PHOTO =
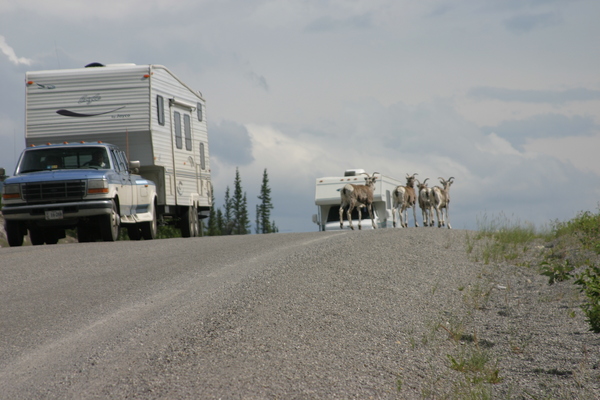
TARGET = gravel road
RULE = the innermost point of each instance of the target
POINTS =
(385, 314)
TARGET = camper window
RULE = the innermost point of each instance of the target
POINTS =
(202, 159)
(178, 138)
(160, 109)
(187, 128)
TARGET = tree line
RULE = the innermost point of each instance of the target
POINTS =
(234, 219)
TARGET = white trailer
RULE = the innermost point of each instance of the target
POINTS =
(328, 200)
(145, 110)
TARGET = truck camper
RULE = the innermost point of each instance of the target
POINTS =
(328, 200)
(145, 113)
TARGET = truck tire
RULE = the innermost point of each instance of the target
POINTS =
(52, 236)
(149, 229)
(190, 222)
(14, 233)
(84, 233)
(133, 231)
(36, 236)
(109, 224)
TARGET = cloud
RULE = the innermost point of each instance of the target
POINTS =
(492, 176)
(551, 125)
(258, 80)
(10, 53)
(230, 143)
(328, 23)
(527, 22)
(534, 96)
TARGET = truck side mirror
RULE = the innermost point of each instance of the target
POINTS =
(134, 166)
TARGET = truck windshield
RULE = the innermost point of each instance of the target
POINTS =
(334, 213)
(64, 158)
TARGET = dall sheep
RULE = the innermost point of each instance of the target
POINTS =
(426, 202)
(358, 196)
(405, 198)
(441, 201)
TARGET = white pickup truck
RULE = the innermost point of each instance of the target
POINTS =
(327, 200)
(87, 186)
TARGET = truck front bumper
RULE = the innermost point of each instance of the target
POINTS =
(70, 210)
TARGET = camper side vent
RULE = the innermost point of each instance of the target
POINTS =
(354, 172)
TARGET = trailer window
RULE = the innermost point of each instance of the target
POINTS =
(187, 128)
(199, 111)
(178, 138)
(202, 159)
(160, 109)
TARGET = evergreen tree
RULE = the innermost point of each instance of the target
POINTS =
(220, 222)
(228, 216)
(241, 222)
(213, 227)
(263, 210)
(257, 220)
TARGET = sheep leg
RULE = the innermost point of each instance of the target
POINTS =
(359, 209)
(402, 217)
(437, 215)
(342, 216)
(414, 208)
(349, 214)
(370, 208)
(448, 218)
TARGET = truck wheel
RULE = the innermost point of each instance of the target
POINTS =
(14, 233)
(133, 231)
(52, 236)
(36, 236)
(189, 222)
(109, 224)
(150, 228)
(84, 234)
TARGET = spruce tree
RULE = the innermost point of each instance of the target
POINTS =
(213, 227)
(220, 222)
(241, 222)
(257, 220)
(227, 226)
(263, 210)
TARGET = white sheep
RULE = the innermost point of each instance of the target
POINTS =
(404, 198)
(358, 196)
(426, 202)
(441, 201)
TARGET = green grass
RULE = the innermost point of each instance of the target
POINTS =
(501, 239)
(573, 250)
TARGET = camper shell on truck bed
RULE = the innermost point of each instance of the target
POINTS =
(143, 109)
(328, 200)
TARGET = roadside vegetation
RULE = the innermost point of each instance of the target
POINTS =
(562, 251)
(474, 365)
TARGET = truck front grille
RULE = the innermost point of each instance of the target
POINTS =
(44, 191)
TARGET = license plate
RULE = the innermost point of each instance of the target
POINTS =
(54, 214)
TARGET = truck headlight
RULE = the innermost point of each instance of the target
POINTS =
(11, 192)
(97, 186)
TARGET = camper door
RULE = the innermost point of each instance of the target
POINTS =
(184, 164)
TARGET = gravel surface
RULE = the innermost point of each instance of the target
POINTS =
(382, 314)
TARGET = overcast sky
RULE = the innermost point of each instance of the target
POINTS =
(502, 95)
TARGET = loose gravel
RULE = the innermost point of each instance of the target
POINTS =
(386, 314)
